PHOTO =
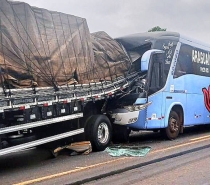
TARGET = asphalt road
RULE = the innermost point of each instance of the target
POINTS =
(189, 168)
(182, 161)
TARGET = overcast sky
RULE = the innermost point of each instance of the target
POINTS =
(123, 17)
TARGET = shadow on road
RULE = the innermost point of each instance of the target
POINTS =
(23, 158)
(150, 136)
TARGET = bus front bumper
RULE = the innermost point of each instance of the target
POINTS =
(124, 117)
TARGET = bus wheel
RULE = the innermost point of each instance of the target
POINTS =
(173, 129)
(98, 131)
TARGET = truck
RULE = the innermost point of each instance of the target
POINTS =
(57, 80)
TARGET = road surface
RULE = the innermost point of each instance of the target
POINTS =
(182, 161)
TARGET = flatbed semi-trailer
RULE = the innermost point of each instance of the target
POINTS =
(23, 124)
(57, 80)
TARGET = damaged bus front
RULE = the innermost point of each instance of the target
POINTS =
(141, 105)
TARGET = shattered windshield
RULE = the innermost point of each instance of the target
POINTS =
(136, 54)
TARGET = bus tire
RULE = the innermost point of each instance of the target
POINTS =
(98, 131)
(173, 128)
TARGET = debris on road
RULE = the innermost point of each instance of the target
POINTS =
(83, 147)
(129, 151)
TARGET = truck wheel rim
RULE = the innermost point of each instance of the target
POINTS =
(103, 133)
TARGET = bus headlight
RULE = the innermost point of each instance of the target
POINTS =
(129, 108)
(137, 107)
(132, 108)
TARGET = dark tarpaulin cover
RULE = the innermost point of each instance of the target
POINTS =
(110, 58)
(47, 48)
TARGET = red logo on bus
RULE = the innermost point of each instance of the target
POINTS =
(206, 94)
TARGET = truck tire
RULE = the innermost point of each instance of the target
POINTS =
(173, 128)
(98, 131)
(120, 134)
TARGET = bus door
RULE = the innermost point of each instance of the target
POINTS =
(156, 82)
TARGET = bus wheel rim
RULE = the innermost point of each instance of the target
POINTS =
(173, 125)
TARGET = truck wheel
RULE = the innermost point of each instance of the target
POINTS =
(173, 129)
(98, 131)
(120, 134)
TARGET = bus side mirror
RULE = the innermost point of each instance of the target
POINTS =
(147, 56)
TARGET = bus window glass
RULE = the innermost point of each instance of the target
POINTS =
(192, 60)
